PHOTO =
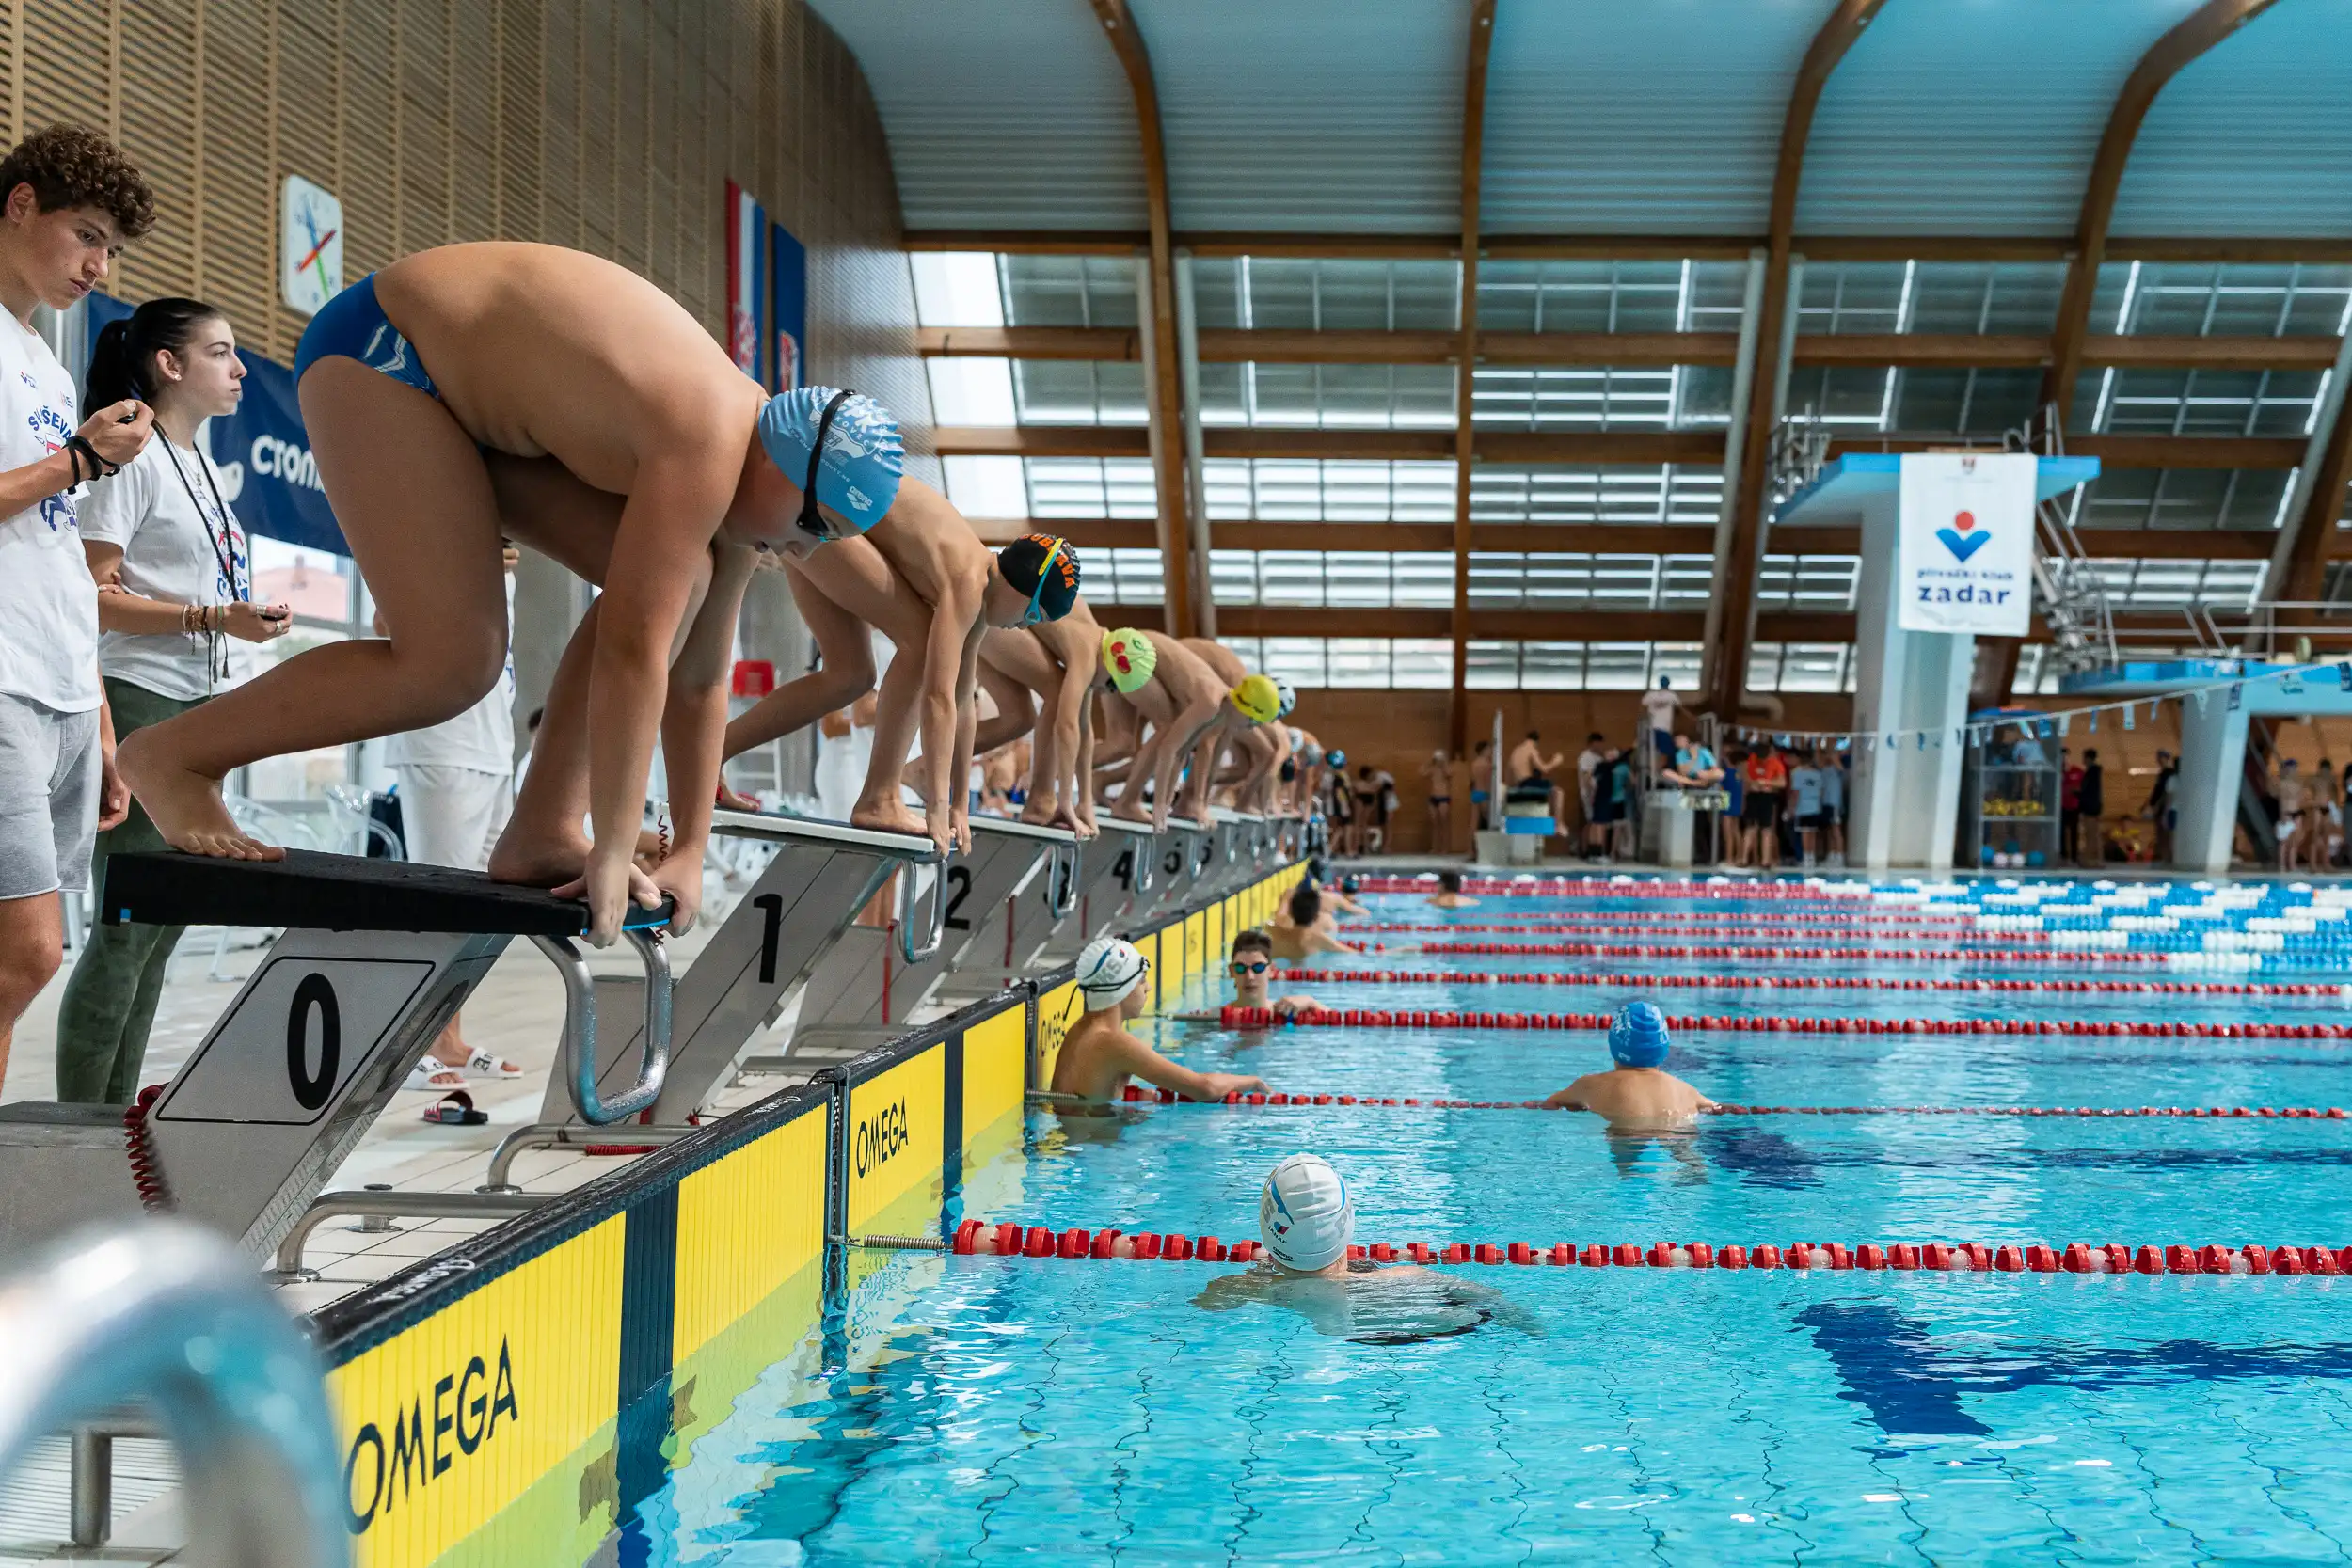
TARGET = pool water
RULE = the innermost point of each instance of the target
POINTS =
(998, 1409)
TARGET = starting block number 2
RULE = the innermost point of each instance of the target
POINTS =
(296, 1037)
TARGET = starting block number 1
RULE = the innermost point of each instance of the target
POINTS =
(293, 1039)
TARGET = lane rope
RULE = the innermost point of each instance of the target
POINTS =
(1811, 982)
(1135, 1094)
(2001, 955)
(1670, 928)
(1232, 1017)
(976, 1238)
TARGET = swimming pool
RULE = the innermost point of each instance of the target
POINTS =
(1060, 1409)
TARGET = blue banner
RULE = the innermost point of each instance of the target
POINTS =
(787, 271)
(262, 451)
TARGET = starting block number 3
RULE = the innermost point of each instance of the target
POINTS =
(293, 1039)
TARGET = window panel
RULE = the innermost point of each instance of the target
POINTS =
(1327, 397)
(1552, 666)
(1073, 391)
(1807, 581)
(1422, 663)
(1296, 660)
(1291, 293)
(1123, 577)
(1357, 662)
(1611, 296)
(1493, 666)
(1670, 493)
(1068, 290)
(1814, 666)
(1616, 666)
(1764, 666)
(1305, 490)
(1511, 398)
(1090, 487)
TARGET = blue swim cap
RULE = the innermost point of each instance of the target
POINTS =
(864, 457)
(1637, 1036)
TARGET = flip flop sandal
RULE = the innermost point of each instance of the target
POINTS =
(456, 1110)
(437, 1076)
(483, 1064)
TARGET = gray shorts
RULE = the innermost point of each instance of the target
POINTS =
(48, 767)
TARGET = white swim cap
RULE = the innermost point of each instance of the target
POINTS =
(1304, 1215)
(1108, 970)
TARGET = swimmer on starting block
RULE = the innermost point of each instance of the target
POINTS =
(1298, 929)
(1637, 1094)
(1244, 722)
(1307, 1219)
(1449, 894)
(1150, 732)
(1044, 677)
(1099, 1056)
(500, 387)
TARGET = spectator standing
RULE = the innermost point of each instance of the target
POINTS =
(175, 585)
(1657, 716)
(2288, 792)
(2070, 805)
(1588, 763)
(1734, 846)
(69, 202)
(2159, 810)
(2090, 804)
(1834, 801)
(1437, 775)
(1804, 792)
(1766, 777)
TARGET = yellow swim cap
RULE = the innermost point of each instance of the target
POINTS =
(1258, 699)
(1129, 659)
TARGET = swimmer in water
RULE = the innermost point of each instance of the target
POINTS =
(1100, 1055)
(1306, 1217)
(1449, 894)
(1297, 931)
(1250, 965)
(1342, 899)
(1637, 1095)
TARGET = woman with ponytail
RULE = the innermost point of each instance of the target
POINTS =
(175, 586)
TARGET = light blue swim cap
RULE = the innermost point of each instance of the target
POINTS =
(864, 458)
(1637, 1036)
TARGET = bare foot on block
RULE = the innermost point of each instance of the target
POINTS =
(186, 806)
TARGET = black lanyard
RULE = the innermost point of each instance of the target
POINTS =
(224, 552)
(224, 544)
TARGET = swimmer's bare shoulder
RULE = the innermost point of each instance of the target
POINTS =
(541, 351)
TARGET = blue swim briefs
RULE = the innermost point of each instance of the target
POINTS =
(351, 325)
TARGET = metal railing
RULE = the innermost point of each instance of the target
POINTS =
(170, 1315)
(2073, 595)
(580, 1027)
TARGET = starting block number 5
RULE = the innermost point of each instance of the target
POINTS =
(293, 1039)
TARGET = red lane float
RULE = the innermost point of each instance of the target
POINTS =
(1996, 954)
(1809, 982)
(1137, 1095)
(1385, 1018)
(976, 1238)
(1846, 893)
(1679, 926)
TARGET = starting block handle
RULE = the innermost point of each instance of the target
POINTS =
(1061, 861)
(580, 1027)
(938, 923)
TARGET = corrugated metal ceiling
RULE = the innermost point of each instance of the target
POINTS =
(1655, 116)
(1971, 117)
(1951, 116)
(1312, 114)
(1011, 114)
(2253, 138)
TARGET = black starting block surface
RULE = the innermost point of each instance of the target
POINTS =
(309, 890)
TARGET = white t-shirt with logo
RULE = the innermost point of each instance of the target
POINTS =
(480, 738)
(48, 604)
(173, 545)
(1659, 705)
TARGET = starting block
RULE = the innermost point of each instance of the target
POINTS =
(374, 957)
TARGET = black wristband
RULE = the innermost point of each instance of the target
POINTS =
(80, 447)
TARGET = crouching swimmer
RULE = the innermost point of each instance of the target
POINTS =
(1637, 1094)
(1099, 1056)
(1306, 1218)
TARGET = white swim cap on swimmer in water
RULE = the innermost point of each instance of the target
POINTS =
(1108, 971)
(1305, 1215)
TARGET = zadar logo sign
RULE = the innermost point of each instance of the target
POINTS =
(1964, 538)
(1964, 544)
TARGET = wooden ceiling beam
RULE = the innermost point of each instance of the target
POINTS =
(1171, 477)
(1482, 36)
(1639, 247)
(1628, 350)
(2189, 39)
(1727, 664)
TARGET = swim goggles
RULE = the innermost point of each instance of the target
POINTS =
(811, 520)
(1240, 968)
(1035, 614)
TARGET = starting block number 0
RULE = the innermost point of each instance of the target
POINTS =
(294, 1038)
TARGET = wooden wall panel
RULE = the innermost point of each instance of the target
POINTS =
(609, 125)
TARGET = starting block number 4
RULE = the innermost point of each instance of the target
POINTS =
(302, 1028)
